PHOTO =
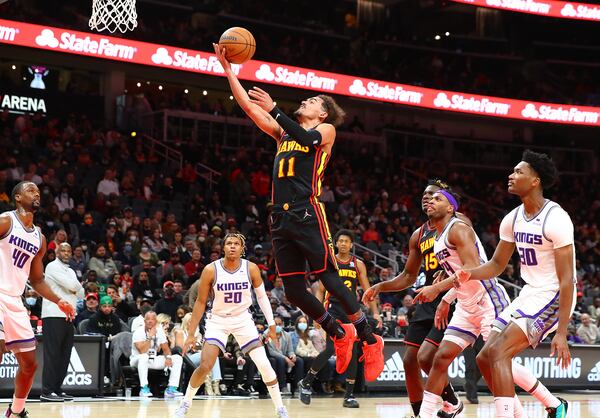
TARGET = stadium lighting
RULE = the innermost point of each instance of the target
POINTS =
(160, 87)
(133, 134)
(139, 84)
(437, 37)
(447, 34)
(230, 97)
(14, 67)
(204, 92)
(186, 91)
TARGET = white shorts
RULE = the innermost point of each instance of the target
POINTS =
(242, 327)
(535, 311)
(15, 327)
(465, 327)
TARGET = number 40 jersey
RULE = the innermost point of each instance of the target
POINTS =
(536, 238)
(18, 247)
(232, 290)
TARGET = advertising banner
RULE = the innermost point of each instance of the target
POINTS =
(85, 374)
(135, 52)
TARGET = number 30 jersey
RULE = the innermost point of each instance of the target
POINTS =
(231, 289)
(536, 238)
(18, 247)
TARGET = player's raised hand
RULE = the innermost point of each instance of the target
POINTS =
(190, 342)
(67, 309)
(426, 294)
(370, 294)
(220, 53)
(560, 346)
(261, 98)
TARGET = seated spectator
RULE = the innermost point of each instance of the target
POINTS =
(141, 286)
(244, 368)
(587, 330)
(105, 321)
(178, 288)
(146, 255)
(303, 345)
(126, 256)
(59, 238)
(278, 291)
(147, 342)
(103, 264)
(121, 307)
(89, 231)
(145, 305)
(90, 309)
(287, 311)
(124, 287)
(594, 311)
(407, 307)
(78, 262)
(572, 337)
(169, 303)
(195, 265)
(283, 358)
(157, 244)
(33, 302)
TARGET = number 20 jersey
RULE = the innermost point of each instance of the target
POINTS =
(231, 289)
(536, 238)
(17, 248)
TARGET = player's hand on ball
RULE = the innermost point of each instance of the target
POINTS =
(272, 333)
(426, 294)
(220, 52)
(261, 98)
(67, 309)
(189, 343)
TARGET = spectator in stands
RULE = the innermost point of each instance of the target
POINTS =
(195, 266)
(108, 185)
(157, 244)
(171, 268)
(303, 345)
(147, 341)
(587, 330)
(33, 302)
(64, 201)
(572, 336)
(146, 255)
(284, 359)
(103, 264)
(59, 238)
(278, 292)
(91, 307)
(145, 305)
(178, 288)
(126, 256)
(142, 288)
(169, 303)
(371, 235)
(594, 311)
(70, 228)
(89, 231)
(121, 307)
(287, 311)
(105, 321)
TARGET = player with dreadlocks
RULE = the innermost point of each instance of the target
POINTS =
(230, 280)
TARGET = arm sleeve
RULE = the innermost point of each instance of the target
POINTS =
(558, 228)
(265, 305)
(450, 296)
(297, 132)
(507, 226)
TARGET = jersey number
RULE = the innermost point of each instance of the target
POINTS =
(233, 297)
(431, 263)
(348, 283)
(19, 258)
(528, 257)
(290, 168)
(446, 266)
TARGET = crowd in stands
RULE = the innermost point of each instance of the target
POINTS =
(142, 230)
(380, 50)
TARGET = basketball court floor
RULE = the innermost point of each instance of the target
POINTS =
(582, 405)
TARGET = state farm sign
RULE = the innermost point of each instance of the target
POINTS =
(180, 59)
(553, 8)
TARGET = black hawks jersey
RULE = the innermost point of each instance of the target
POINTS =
(425, 311)
(297, 171)
(348, 273)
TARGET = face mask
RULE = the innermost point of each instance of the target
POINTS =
(278, 329)
(302, 326)
(133, 238)
(84, 248)
(30, 301)
(144, 249)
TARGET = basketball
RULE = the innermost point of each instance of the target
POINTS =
(239, 43)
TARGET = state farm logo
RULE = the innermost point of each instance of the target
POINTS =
(386, 92)
(471, 104)
(8, 33)
(76, 373)
(282, 75)
(582, 11)
(558, 114)
(522, 5)
(594, 374)
(71, 42)
(181, 59)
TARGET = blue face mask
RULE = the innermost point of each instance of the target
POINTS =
(302, 326)
(30, 301)
(278, 329)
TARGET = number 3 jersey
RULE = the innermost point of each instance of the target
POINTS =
(231, 290)
(469, 294)
(17, 248)
(536, 238)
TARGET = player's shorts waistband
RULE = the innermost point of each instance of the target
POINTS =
(291, 206)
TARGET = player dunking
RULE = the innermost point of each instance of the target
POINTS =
(352, 272)
(422, 338)
(230, 280)
(22, 247)
(299, 231)
(543, 234)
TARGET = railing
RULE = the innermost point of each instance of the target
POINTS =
(163, 150)
(377, 257)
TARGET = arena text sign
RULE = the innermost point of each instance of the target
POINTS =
(124, 50)
(552, 8)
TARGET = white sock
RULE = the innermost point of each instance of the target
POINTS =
(430, 405)
(542, 394)
(18, 404)
(519, 411)
(275, 395)
(190, 392)
(505, 407)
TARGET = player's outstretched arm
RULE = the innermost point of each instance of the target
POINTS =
(262, 298)
(406, 278)
(492, 268)
(261, 118)
(206, 281)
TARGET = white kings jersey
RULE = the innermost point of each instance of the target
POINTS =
(17, 249)
(536, 238)
(232, 290)
(469, 293)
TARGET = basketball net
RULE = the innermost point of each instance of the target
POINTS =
(113, 15)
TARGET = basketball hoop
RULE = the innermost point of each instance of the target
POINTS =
(113, 15)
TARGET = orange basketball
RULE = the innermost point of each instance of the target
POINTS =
(239, 43)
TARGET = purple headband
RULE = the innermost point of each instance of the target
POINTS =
(450, 198)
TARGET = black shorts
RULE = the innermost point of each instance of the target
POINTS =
(424, 330)
(300, 235)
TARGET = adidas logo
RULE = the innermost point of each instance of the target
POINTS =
(393, 370)
(594, 374)
(76, 373)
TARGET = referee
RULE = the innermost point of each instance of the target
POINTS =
(58, 333)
